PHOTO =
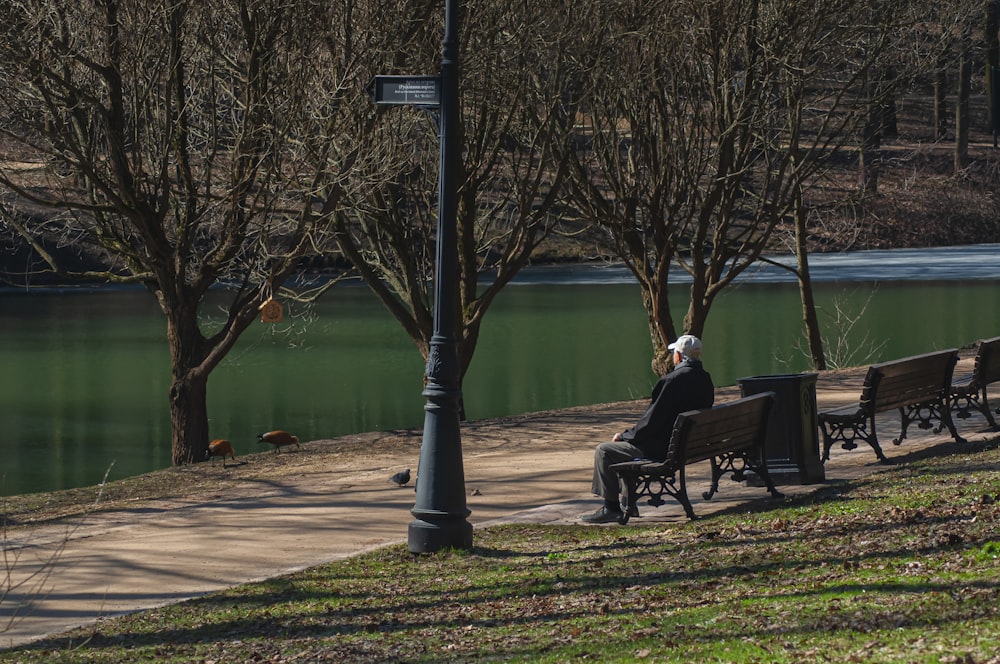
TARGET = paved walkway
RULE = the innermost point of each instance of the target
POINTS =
(533, 468)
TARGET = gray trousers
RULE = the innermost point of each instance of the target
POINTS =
(606, 482)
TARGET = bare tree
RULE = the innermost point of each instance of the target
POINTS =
(168, 137)
(944, 33)
(825, 100)
(702, 140)
(676, 164)
(516, 111)
(891, 45)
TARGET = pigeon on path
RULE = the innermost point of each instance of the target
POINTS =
(401, 478)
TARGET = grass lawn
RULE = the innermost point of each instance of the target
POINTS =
(902, 566)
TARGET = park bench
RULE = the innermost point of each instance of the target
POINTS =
(730, 435)
(968, 392)
(918, 387)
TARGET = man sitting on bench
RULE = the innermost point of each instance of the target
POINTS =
(687, 387)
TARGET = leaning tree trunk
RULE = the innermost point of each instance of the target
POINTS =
(809, 316)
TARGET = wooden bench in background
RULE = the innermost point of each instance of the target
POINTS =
(918, 386)
(730, 435)
(968, 392)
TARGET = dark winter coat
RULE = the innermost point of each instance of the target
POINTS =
(687, 387)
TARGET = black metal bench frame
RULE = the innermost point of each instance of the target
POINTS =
(968, 392)
(918, 387)
(730, 436)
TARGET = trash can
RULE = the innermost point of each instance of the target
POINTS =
(792, 443)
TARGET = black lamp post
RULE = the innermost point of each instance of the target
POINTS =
(440, 511)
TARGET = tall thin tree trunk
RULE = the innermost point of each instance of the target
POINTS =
(940, 103)
(809, 315)
(871, 142)
(962, 106)
(888, 122)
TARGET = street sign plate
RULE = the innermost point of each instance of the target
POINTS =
(405, 90)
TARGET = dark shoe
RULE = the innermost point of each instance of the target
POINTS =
(604, 515)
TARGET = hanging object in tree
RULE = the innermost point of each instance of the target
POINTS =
(270, 311)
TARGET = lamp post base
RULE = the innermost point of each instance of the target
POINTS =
(449, 532)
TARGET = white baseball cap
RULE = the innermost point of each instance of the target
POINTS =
(687, 345)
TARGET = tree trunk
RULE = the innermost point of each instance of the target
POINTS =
(962, 107)
(940, 104)
(809, 315)
(888, 112)
(697, 313)
(189, 416)
(661, 334)
(871, 142)
(188, 381)
(193, 357)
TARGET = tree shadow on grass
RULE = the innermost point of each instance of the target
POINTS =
(292, 609)
(893, 558)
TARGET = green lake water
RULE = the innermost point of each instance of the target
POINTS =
(87, 373)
